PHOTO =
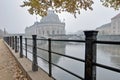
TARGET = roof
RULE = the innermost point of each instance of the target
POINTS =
(117, 16)
(105, 25)
(50, 18)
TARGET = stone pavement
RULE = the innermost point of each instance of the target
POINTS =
(9, 69)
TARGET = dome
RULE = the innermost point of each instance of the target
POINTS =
(50, 18)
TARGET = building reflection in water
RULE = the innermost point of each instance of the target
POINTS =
(113, 51)
(107, 54)
(58, 47)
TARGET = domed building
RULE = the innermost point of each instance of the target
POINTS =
(48, 26)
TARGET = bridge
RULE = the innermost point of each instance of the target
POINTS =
(89, 62)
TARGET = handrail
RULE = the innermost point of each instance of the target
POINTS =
(68, 71)
(28, 50)
(42, 58)
(42, 49)
(67, 40)
(28, 38)
(69, 56)
(108, 42)
(62, 55)
(107, 67)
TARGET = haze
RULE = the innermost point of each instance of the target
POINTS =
(15, 19)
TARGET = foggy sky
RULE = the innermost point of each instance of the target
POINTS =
(15, 19)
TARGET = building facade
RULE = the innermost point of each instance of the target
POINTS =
(115, 25)
(49, 25)
(112, 28)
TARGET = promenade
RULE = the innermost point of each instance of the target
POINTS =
(12, 67)
(9, 69)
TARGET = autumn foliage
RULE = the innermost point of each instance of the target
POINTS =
(40, 7)
(111, 3)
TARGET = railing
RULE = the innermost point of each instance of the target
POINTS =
(90, 53)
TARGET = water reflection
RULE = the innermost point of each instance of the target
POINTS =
(113, 51)
(56, 47)
(106, 54)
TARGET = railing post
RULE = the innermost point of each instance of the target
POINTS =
(9, 40)
(90, 55)
(6, 39)
(34, 63)
(16, 44)
(26, 47)
(12, 42)
(21, 47)
(50, 57)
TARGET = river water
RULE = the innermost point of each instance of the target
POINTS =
(106, 54)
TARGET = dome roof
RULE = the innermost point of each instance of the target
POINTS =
(50, 18)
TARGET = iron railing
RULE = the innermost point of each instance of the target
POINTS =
(90, 53)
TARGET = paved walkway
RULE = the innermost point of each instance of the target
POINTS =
(9, 69)
(14, 71)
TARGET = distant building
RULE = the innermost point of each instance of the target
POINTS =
(49, 25)
(115, 25)
(79, 33)
(105, 29)
(112, 28)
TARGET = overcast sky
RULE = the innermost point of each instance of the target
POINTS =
(14, 18)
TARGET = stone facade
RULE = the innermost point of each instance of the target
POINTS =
(48, 25)
(112, 28)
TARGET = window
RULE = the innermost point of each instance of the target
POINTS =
(53, 32)
(39, 32)
(47, 32)
(57, 32)
(43, 32)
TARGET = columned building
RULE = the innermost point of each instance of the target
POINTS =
(49, 25)
(112, 28)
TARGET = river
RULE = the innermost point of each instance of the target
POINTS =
(106, 54)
